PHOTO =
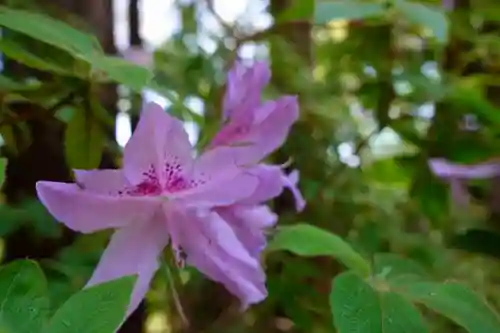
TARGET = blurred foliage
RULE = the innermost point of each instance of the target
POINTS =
(362, 147)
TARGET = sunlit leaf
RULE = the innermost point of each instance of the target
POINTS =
(346, 10)
(433, 18)
(308, 240)
(49, 30)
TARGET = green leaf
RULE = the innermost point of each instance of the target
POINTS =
(456, 302)
(49, 30)
(23, 302)
(358, 308)
(433, 18)
(84, 141)
(99, 309)
(346, 10)
(3, 169)
(393, 266)
(307, 240)
(18, 53)
(123, 72)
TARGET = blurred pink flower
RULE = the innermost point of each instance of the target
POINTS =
(456, 174)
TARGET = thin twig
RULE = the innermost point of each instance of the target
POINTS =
(173, 291)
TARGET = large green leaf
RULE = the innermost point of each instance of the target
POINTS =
(99, 309)
(394, 266)
(49, 30)
(456, 302)
(18, 53)
(84, 141)
(308, 240)
(23, 302)
(346, 10)
(123, 72)
(359, 308)
(432, 18)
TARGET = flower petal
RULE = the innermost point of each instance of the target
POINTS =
(86, 211)
(445, 169)
(249, 223)
(133, 250)
(290, 182)
(101, 181)
(243, 89)
(218, 180)
(211, 245)
(270, 184)
(159, 140)
(272, 181)
(268, 131)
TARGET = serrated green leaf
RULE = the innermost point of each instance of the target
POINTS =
(49, 30)
(99, 309)
(84, 141)
(346, 10)
(433, 18)
(23, 302)
(308, 240)
(358, 308)
(456, 302)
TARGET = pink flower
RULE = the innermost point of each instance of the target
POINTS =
(258, 127)
(210, 209)
(162, 194)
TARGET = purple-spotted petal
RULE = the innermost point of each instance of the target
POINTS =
(211, 245)
(133, 250)
(217, 180)
(158, 146)
(249, 224)
(445, 169)
(86, 211)
(243, 89)
(101, 181)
